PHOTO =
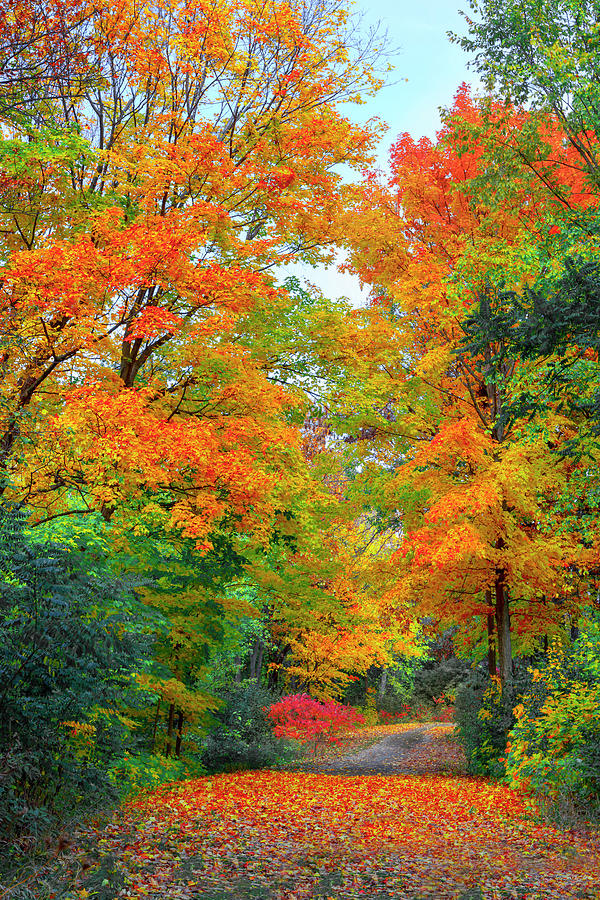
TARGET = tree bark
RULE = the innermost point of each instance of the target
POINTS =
(491, 634)
(171, 721)
(254, 658)
(503, 630)
(179, 736)
(259, 662)
(383, 682)
(238, 671)
(278, 660)
(154, 729)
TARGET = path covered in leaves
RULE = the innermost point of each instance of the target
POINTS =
(299, 835)
(402, 750)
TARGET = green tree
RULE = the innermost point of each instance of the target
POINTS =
(71, 639)
(547, 54)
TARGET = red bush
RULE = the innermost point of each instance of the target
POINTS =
(444, 714)
(302, 718)
(387, 718)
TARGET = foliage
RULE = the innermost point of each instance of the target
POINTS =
(387, 718)
(46, 56)
(239, 655)
(554, 324)
(483, 717)
(71, 640)
(554, 746)
(297, 489)
(134, 773)
(242, 737)
(269, 834)
(391, 687)
(168, 159)
(153, 369)
(136, 364)
(402, 675)
(545, 54)
(477, 545)
(187, 591)
(304, 719)
(434, 681)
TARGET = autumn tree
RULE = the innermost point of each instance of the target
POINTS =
(544, 54)
(317, 585)
(472, 496)
(180, 153)
(43, 54)
(547, 56)
(202, 157)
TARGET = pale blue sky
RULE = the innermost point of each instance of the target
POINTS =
(433, 67)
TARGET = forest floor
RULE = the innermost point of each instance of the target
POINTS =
(397, 819)
(407, 749)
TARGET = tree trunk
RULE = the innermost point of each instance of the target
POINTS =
(383, 682)
(238, 671)
(278, 660)
(503, 630)
(491, 634)
(573, 629)
(154, 729)
(259, 662)
(253, 657)
(171, 720)
(179, 737)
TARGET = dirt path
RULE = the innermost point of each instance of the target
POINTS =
(414, 752)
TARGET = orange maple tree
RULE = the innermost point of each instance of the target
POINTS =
(474, 496)
(141, 220)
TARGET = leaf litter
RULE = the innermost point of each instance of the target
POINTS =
(271, 835)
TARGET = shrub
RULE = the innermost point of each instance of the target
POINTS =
(436, 681)
(444, 712)
(368, 710)
(388, 718)
(554, 746)
(304, 719)
(393, 706)
(68, 647)
(242, 737)
(483, 718)
(134, 773)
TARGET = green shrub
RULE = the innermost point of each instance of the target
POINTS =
(68, 647)
(391, 706)
(242, 737)
(134, 773)
(437, 680)
(554, 746)
(483, 718)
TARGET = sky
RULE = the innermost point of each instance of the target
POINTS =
(427, 71)
(432, 66)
